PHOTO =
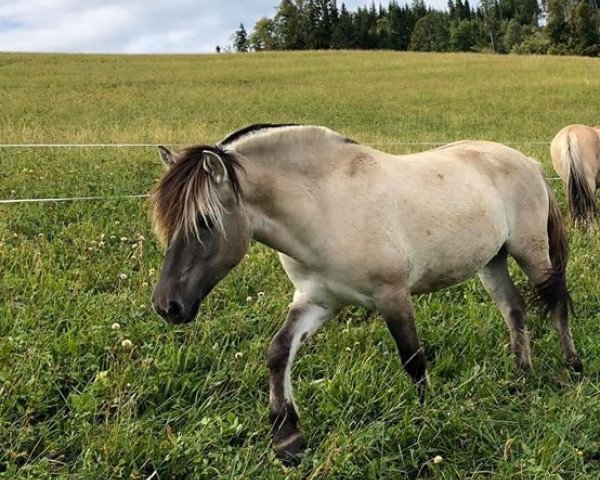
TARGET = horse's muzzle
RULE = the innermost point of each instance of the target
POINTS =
(175, 312)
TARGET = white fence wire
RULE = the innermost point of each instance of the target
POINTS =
(154, 145)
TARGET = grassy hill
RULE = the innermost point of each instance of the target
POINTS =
(191, 402)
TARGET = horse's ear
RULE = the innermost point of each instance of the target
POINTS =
(166, 155)
(214, 166)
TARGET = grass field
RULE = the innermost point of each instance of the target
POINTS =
(191, 402)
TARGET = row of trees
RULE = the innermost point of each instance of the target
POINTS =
(502, 26)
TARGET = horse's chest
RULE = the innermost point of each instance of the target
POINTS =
(331, 291)
(324, 289)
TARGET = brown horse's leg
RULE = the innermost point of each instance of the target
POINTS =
(400, 318)
(497, 282)
(303, 319)
(552, 291)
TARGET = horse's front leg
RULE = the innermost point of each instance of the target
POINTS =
(397, 309)
(303, 319)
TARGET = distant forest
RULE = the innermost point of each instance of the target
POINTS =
(558, 27)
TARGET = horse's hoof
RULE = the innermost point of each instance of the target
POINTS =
(290, 448)
(575, 364)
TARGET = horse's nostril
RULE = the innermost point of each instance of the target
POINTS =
(174, 309)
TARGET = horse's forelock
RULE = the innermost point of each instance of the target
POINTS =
(185, 197)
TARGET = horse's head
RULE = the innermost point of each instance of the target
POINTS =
(200, 218)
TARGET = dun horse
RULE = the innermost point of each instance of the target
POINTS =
(575, 152)
(354, 225)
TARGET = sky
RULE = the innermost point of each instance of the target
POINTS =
(133, 26)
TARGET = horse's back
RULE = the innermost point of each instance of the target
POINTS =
(448, 210)
(487, 169)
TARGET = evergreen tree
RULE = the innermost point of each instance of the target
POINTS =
(342, 35)
(468, 14)
(527, 12)
(557, 27)
(490, 14)
(240, 39)
(584, 26)
(288, 26)
(418, 8)
(364, 34)
(402, 23)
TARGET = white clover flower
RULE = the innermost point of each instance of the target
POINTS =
(123, 276)
(115, 326)
(438, 459)
(127, 344)
(146, 362)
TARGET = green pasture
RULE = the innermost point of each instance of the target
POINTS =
(79, 401)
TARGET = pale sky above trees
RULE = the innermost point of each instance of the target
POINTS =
(133, 26)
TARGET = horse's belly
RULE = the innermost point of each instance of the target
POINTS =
(447, 268)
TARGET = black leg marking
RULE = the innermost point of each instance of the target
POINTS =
(400, 319)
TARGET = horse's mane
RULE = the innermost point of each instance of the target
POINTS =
(185, 199)
(251, 129)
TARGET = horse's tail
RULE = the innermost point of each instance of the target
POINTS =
(580, 194)
(553, 292)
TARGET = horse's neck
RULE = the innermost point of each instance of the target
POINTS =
(281, 192)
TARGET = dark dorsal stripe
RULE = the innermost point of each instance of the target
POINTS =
(256, 127)
(232, 137)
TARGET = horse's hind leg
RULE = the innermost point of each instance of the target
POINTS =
(497, 282)
(399, 315)
(303, 319)
(551, 288)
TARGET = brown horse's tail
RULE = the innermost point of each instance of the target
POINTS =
(580, 194)
(553, 292)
